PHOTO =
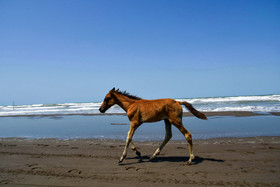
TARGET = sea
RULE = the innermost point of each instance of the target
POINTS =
(80, 120)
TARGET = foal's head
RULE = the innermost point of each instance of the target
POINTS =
(109, 100)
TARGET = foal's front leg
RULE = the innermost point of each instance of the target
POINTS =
(130, 133)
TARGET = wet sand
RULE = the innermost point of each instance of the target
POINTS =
(185, 114)
(88, 162)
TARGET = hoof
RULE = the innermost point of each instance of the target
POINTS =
(138, 153)
(152, 158)
(120, 161)
(191, 159)
(155, 154)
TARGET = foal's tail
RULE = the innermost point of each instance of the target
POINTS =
(194, 111)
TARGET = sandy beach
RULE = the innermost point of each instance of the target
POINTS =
(87, 162)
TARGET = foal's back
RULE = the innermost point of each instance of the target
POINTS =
(154, 110)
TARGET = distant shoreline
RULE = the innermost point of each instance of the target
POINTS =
(185, 114)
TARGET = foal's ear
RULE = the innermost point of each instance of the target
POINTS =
(117, 90)
(113, 90)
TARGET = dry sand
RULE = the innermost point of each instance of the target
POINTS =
(87, 162)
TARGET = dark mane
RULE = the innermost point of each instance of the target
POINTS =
(129, 95)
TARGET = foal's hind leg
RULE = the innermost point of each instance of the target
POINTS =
(168, 135)
(188, 136)
(134, 149)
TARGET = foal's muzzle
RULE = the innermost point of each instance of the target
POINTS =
(102, 110)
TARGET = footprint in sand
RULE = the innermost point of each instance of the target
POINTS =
(30, 165)
(128, 168)
(231, 150)
(134, 168)
(180, 147)
(33, 166)
(249, 153)
(62, 145)
(4, 182)
(36, 156)
(32, 169)
(42, 145)
(139, 169)
(74, 171)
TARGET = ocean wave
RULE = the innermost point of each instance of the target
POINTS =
(266, 103)
(244, 108)
(233, 99)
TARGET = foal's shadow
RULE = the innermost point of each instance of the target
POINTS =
(146, 159)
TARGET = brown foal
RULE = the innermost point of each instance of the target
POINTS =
(141, 111)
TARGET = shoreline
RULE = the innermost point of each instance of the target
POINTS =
(253, 161)
(185, 114)
(23, 139)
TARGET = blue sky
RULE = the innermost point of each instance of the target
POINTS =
(75, 51)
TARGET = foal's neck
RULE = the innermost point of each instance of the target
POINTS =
(123, 101)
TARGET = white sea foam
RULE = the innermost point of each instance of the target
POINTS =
(50, 109)
(266, 103)
(265, 98)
